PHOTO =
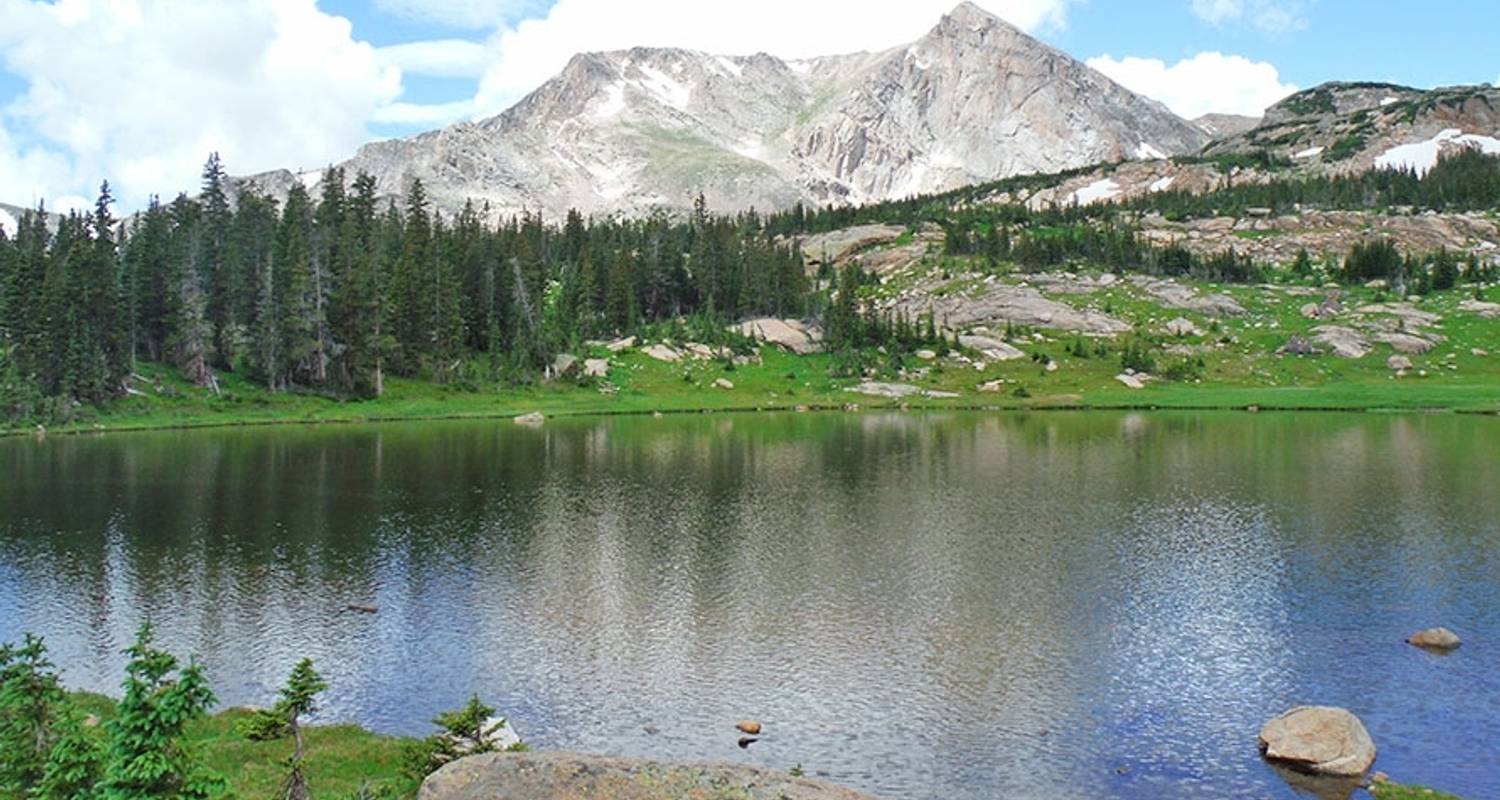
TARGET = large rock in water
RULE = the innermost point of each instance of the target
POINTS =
(1318, 740)
(566, 776)
(1435, 639)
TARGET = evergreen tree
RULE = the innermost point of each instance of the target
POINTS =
(214, 274)
(298, 699)
(75, 766)
(147, 758)
(31, 699)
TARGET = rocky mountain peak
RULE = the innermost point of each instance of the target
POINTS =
(631, 131)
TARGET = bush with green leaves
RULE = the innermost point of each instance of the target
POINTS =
(147, 758)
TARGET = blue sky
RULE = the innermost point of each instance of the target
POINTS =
(140, 90)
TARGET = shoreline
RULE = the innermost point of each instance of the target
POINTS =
(853, 406)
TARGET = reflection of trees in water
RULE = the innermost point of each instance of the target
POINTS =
(959, 577)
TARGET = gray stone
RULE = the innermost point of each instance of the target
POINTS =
(595, 368)
(1319, 740)
(571, 776)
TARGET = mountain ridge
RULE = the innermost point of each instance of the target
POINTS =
(632, 131)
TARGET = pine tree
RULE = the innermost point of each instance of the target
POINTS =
(298, 699)
(31, 700)
(75, 766)
(147, 758)
(214, 273)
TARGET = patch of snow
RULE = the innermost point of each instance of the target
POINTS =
(8, 223)
(1146, 151)
(751, 147)
(800, 67)
(1161, 184)
(1389, 101)
(1096, 192)
(609, 179)
(666, 88)
(914, 55)
(730, 66)
(613, 102)
(1421, 157)
(310, 179)
(1311, 152)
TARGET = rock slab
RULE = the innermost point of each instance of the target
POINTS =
(1319, 740)
(568, 776)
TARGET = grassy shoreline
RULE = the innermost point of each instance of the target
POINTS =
(782, 383)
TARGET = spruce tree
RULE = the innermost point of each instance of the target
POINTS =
(298, 699)
(147, 758)
(31, 701)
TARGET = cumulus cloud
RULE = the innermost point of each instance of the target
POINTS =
(1269, 16)
(534, 50)
(1206, 83)
(140, 91)
(471, 14)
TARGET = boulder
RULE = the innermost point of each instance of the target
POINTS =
(1483, 309)
(784, 333)
(1298, 346)
(1183, 327)
(532, 420)
(567, 776)
(1345, 342)
(1406, 343)
(595, 368)
(1133, 381)
(1435, 639)
(749, 726)
(564, 365)
(723, 383)
(926, 355)
(662, 352)
(890, 390)
(620, 344)
(1318, 740)
(991, 349)
(1400, 364)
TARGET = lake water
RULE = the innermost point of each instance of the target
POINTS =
(1050, 605)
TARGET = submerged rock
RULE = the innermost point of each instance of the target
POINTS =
(749, 726)
(1435, 639)
(533, 419)
(565, 776)
(1319, 740)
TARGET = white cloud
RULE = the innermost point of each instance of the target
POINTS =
(1269, 16)
(1206, 83)
(471, 14)
(441, 58)
(140, 91)
(535, 49)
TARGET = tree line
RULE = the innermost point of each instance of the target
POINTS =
(336, 292)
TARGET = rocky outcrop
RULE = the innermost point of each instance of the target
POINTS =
(995, 304)
(1319, 740)
(570, 776)
(784, 333)
(632, 131)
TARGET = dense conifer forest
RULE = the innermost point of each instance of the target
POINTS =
(333, 293)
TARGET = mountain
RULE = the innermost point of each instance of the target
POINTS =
(1219, 126)
(1343, 128)
(631, 131)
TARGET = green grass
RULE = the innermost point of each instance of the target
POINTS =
(1386, 790)
(342, 760)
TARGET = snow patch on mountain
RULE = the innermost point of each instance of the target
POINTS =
(8, 223)
(1147, 153)
(1097, 192)
(1421, 157)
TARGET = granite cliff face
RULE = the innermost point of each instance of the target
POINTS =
(636, 130)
